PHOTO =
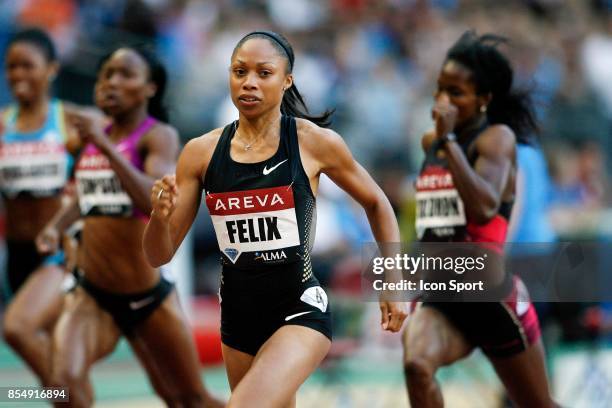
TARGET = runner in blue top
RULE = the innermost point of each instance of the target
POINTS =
(35, 166)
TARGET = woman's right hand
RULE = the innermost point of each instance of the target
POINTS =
(163, 197)
(48, 240)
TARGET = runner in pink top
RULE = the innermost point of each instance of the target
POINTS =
(119, 292)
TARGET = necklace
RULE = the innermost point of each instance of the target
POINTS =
(247, 146)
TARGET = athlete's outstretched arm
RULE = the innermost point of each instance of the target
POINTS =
(336, 161)
(176, 199)
(339, 165)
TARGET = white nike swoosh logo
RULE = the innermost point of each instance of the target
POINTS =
(296, 315)
(267, 171)
(141, 303)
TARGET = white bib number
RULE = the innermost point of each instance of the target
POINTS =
(439, 209)
(100, 192)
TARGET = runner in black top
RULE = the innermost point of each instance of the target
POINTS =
(259, 177)
(464, 194)
(264, 217)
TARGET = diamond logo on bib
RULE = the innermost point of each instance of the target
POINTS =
(231, 253)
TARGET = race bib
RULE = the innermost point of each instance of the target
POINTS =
(439, 206)
(262, 222)
(100, 193)
(443, 208)
(39, 168)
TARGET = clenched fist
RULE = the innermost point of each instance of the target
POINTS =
(90, 128)
(48, 240)
(444, 113)
(163, 197)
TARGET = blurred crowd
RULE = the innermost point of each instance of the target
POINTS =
(376, 63)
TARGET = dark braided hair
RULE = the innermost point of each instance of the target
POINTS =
(37, 38)
(293, 104)
(157, 75)
(492, 73)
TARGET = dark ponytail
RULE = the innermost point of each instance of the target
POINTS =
(515, 109)
(157, 75)
(493, 74)
(293, 104)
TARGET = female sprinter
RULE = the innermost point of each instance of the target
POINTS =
(479, 118)
(260, 176)
(35, 167)
(118, 292)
